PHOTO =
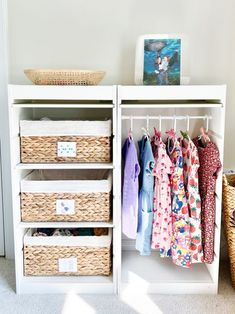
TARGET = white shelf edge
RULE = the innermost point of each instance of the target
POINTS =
(160, 282)
(155, 106)
(59, 92)
(63, 106)
(69, 279)
(173, 92)
(52, 224)
(63, 284)
(170, 288)
(22, 166)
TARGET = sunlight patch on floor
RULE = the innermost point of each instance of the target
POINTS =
(74, 304)
(142, 304)
(137, 300)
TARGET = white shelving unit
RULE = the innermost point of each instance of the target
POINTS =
(131, 273)
(151, 274)
(60, 102)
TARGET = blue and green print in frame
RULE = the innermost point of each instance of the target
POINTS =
(162, 59)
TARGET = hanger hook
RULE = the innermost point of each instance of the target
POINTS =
(147, 123)
(131, 118)
(160, 123)
(188, 119)
(174, 123)
(207, 123)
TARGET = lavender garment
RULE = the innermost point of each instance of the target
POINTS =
(130, 189)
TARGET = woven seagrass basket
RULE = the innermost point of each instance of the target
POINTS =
(64, 77)
(229, 219)
(44, 141)
(67, 195)
(67, 256)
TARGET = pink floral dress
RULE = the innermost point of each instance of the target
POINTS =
(181, 253)
(162, 220)
(191, 165)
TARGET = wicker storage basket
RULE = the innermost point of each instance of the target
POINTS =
(229, 219)
(67, 255)
(65, 141)
(64, 77)
(67, 195)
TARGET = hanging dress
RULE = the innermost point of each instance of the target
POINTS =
(210, 165)
(162, 216)
(130, 188)
(191, 165)
(180, 249)
(145, 211)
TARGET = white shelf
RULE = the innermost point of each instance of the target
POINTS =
(133, 269)
(180, 92)
(66, 166)
(52, 92)
(59, 284)
(153, 274)
(64, 106)
(54, 224)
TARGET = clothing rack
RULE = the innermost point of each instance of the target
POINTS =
(174, 118)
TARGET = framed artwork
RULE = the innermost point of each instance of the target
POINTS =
(158, 60)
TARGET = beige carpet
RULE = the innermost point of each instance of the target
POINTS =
(10, 303)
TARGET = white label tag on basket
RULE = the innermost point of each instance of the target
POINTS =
(65, 207)
(68, 265)
(66, 149)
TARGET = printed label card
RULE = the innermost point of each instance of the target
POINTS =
(66, 149)
(68, 265)
(65, 207)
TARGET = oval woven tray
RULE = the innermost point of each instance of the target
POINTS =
(64, 77)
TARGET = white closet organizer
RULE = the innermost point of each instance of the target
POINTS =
(181, 107)
(175, 106)
(66, 103)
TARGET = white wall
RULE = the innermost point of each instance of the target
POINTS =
(4, 134)
(102, 34)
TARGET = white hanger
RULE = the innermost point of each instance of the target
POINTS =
(131, 118)
(147, 123)
(160, 123)
(188, 119)
(207, 124)
(174, 127)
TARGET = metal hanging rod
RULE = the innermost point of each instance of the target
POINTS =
(170, 105)
(175, 117)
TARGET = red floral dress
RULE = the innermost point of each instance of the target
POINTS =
(191, 165)
(210, 165)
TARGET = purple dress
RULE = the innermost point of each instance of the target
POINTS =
(130, 189)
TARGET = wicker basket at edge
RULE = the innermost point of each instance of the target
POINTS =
(229, 219)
